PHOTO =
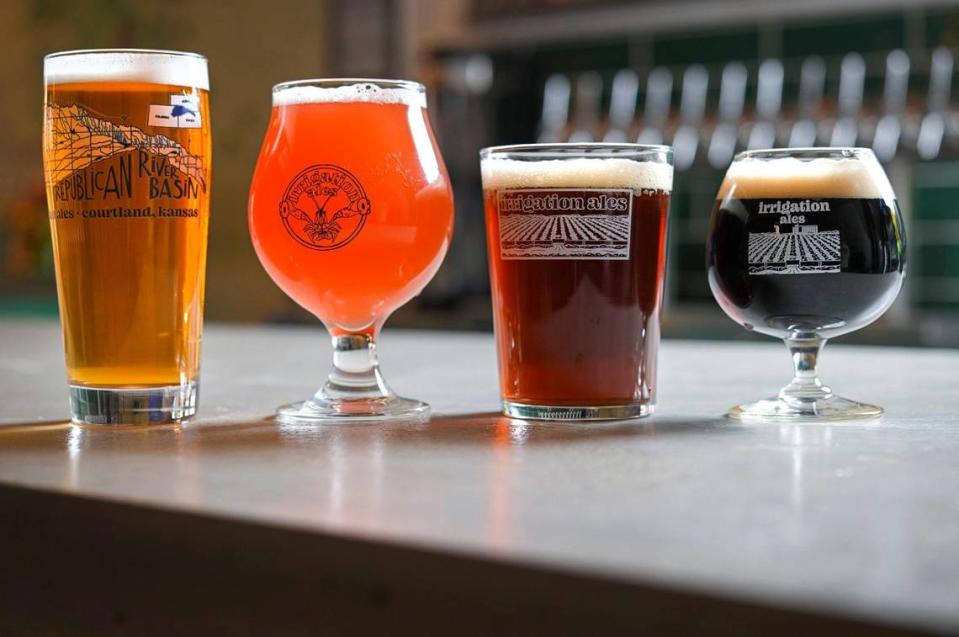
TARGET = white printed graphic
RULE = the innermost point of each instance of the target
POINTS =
(183, 112)
(805, 250)
(565, 223)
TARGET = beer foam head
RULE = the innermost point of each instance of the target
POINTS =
(823, 177)
(368, 91)
(581, 172)
(152, 67)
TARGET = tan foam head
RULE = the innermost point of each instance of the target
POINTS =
(582, 172)
(845, 178)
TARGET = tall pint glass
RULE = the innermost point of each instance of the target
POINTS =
(576, 239)
(126, 149)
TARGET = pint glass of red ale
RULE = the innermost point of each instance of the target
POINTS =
(576, 239)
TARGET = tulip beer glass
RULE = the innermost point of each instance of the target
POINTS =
(126, 149)
(576, 235)
(805, 245)
(351, 213)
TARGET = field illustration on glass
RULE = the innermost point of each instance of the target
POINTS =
(565, 224)
(805, 250)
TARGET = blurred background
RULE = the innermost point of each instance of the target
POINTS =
(710, 77)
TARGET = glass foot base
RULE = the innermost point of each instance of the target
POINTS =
(133, 406)
(346, 411)
(778, 410)
(603, 412)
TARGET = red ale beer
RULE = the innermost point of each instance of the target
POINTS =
(576, 240)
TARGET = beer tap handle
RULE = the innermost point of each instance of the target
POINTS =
(812, 81)
(933, 126)
(897, 81)
(732, 98)
(555, 115)
(732, 92)
(769, 92)
(769, 96)
(852, 76)
(622, 105)
(659, 97)
(885, 141)
(692, 106)
(940, 79)
(589, 95)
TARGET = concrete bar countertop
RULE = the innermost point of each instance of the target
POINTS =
(473, 523)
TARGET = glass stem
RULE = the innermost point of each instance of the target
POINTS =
(805, 386)
(356, 371)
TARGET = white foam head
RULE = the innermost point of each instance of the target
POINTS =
(823, 177)
(153, 67)
(366, 91)
(581, 172)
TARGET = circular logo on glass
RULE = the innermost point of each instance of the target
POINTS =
(324, 207)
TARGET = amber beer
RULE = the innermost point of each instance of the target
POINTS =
(127, 159)
(576, 239)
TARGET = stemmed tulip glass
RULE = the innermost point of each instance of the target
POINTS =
(351, 213)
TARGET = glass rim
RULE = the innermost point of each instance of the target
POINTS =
(808, 152)
(574, 150)
(336, 82)
(127, 51)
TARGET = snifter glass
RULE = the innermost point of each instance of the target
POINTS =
(806, 245)
(351, 213)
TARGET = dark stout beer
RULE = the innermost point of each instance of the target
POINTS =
(815, 253)
(805, 244)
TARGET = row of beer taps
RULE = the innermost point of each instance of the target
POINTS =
(899, 122)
